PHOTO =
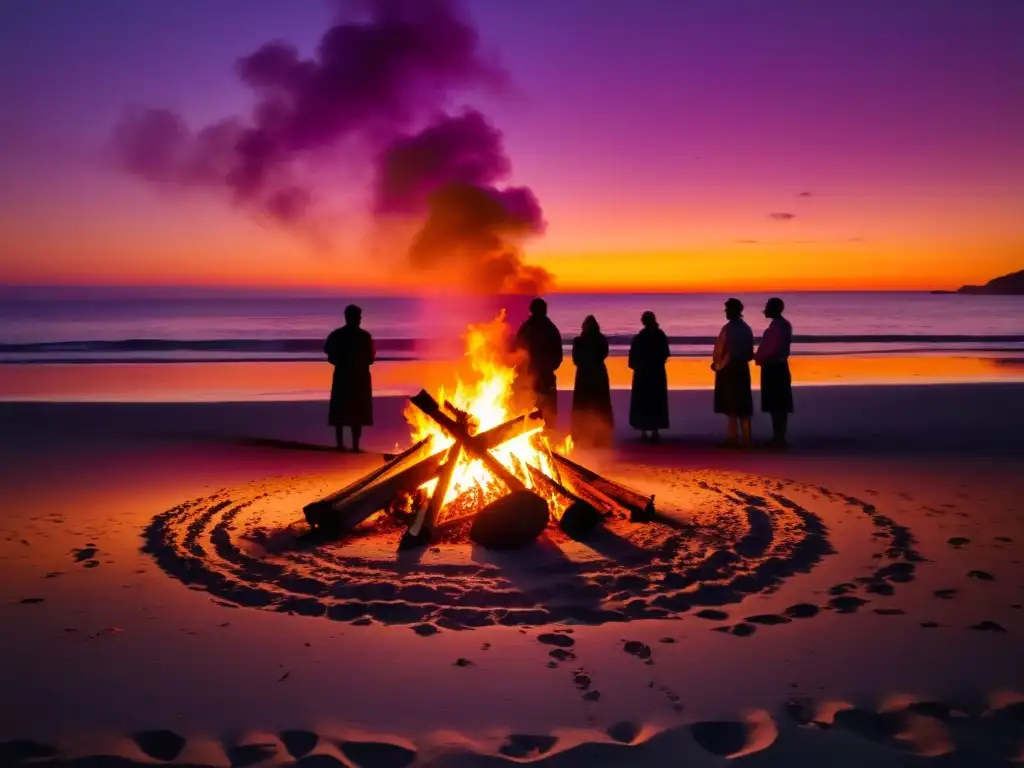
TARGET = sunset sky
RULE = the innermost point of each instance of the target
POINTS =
(673, 144)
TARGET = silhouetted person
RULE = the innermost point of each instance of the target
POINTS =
(776, 382)
(648, 401)
(350, 350)
(734, 350)
(592, 418)
(541, 340)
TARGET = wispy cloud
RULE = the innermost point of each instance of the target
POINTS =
(782, 216)
(748, 242)
(805, 193)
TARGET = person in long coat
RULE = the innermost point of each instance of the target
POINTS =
(351, 351)
(541, 343)
(776, 381)
(592, 418)
(734, 349)
(648, 401)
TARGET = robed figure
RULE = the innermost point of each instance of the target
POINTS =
(734, 349)
(592, 419)
(350, 350)
(540, 343)
(648, 401)
(776, 381)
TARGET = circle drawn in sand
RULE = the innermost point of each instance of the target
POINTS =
(720, 537)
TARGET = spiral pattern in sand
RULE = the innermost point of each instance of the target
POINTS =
(720, 538)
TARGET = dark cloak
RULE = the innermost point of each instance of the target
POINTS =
(350, 350)
(592, 418)
(648, 402)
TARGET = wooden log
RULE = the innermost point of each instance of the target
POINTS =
(473, 445)
(342, 513)
(640, 507)
(426, 520)
(579, 485)
(391, 461)
(580, 517)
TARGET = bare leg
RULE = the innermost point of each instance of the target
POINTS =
(732, 433)
(745, 426)
(339, 437)
(780, 421)
(357, 432)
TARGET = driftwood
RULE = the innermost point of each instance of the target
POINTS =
(639, 506)
(580, 517)
(341, 512)
(391, 461)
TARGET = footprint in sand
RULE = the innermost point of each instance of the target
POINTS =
(988, 626)
(712, 614)
(638, 649)
(463, 663)
(981, 575)
(624, 732)
(31, 600)
(930, 625)
(87, 552)
(846, 603)
(561, 654)
(523, 746)
(767, 619)
(581, 680)
(958, 542)
(160, 745)
(890, 611)
(738, 630)
(560, 641)
(425, 630)
(377, 753)
(945, 594)
(720, 738)
(802, 611)
(299, 743)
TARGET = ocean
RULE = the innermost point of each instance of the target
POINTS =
(82, 326)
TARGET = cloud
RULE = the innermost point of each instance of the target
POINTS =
(805, 194)
(748, 242)
(782, 216)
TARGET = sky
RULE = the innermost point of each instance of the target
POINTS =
(672, 144)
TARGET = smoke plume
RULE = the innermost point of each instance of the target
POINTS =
(377, 77)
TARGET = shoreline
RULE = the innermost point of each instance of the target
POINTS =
(310, 381)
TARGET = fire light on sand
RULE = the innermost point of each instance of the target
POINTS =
(486, 399)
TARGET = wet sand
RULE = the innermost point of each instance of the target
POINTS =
(855, 601)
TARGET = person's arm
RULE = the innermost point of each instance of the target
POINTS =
(666, 353)
(771, 343)
(329, 349)
(372, 350)
(720, 357)
(602, 350)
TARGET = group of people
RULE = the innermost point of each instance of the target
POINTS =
(538, 344)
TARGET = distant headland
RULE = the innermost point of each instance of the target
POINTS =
(1007, 285)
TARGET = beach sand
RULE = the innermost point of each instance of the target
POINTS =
(856, 601)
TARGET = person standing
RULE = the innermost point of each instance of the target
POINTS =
(648, 401)
(351, 351)
(541, 341)
(776, 381)
(592, 419)
(734, 349)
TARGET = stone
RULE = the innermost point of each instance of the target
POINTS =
(510, 522)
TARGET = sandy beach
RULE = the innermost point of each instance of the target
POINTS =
(855, 601)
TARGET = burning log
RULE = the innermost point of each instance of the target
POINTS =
(344, 510)
(473, 445)
(512, 521)
(640, 507)
(391, 461)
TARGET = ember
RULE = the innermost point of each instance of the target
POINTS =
(475, 456)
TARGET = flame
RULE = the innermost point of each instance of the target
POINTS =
(486, 393)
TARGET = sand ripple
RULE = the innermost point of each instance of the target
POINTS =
(720, 538)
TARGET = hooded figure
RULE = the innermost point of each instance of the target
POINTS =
(776, 381)
(541, 342)
(648, 401)
(592, 419)
(734, 350)
(350, 350)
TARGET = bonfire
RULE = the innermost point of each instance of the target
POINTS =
(480, 452)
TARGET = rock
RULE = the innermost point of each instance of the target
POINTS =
(579, 520)
(510, 522)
